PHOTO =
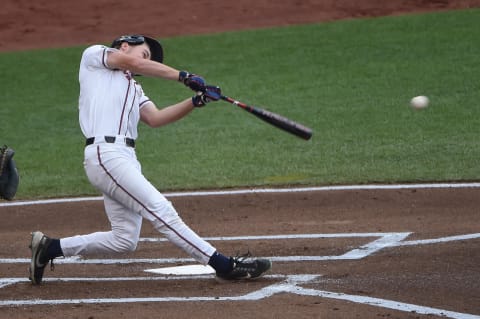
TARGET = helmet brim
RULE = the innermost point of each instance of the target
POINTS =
(156, 49)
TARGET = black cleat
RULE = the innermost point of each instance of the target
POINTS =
(245, 268)
(39, 246)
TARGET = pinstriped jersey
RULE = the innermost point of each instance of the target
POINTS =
(110, 100)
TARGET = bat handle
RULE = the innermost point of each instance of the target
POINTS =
(228, 99)
(235, 102)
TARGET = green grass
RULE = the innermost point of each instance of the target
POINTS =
(350, 81)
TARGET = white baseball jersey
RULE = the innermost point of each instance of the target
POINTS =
(110, 100)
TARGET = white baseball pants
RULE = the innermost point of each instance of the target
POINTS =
(129, 197)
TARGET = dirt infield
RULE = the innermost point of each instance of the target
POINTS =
(337, 254)
(371, 253)
(44, 24)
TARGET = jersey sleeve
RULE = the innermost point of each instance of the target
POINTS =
(143, 99)
(95, 56)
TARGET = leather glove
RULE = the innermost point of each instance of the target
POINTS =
(193, 81)
(211, 94)
(9, 178)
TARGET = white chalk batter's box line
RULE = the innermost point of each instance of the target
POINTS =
(288, 284)
(291, 284)
(385, 240)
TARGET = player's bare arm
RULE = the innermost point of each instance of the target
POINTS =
(138, 61)
(154, 117)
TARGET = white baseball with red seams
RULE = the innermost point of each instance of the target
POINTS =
(109, 105)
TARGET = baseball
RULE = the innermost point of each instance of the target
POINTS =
(419, 102)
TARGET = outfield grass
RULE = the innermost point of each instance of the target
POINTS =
(350, 81)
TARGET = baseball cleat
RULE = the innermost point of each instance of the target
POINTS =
(244, 268)
(39, 246)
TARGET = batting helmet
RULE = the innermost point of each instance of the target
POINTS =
(137, 39)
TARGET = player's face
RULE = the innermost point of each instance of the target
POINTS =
(141, 51)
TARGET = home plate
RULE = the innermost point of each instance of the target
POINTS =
(183, 270)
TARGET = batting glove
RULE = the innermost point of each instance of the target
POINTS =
(211, 94)
(193, 81)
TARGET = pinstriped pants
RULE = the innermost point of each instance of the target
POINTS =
(128, 198)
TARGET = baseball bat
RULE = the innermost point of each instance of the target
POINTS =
(273, 119)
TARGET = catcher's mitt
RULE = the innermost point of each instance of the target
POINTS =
(8, 173)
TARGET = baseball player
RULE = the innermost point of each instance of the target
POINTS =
(111, 104)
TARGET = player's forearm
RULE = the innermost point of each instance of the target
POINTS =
(167, 115)
(154, 69)
(121, 61)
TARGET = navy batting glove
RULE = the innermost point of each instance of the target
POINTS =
(211, 94)
(193, 81)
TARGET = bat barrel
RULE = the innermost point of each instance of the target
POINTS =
(283, 123)
(273, 119)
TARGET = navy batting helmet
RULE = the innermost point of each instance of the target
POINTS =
(136, 39)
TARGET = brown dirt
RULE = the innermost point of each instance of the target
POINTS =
(440, 275)
(26, 24)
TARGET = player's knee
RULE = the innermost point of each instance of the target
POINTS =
(127, 246)
(124, 244)
(130, 246)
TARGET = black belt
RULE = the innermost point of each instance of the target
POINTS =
(111, 139)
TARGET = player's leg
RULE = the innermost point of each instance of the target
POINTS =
(115, 171)
(123, 236)
(137, 194)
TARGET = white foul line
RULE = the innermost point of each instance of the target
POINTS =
(438, 240)
(384, 303)
(259, 190)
